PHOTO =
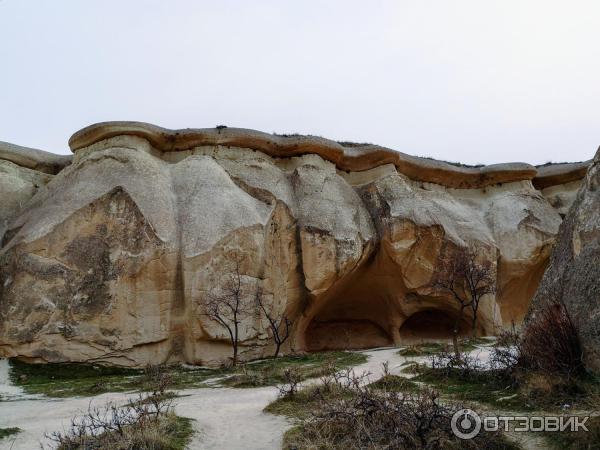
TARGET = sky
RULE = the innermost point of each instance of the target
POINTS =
(470, 81)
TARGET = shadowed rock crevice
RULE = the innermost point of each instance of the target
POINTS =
(345, 335)
(432, 325)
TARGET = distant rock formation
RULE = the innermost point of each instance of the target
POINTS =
(573, 276)
(109, 257)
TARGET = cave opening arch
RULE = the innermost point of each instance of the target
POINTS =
(433, 324)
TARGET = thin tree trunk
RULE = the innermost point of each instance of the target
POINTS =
(455, 333)
(455, 343)
(474, 307)
(235, 341)
(277, 347)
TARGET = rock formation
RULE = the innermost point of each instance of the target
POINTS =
(573, 276)
(110, 257)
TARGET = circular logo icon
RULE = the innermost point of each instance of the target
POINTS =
(466, 424)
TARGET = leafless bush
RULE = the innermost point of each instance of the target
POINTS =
(363, 417)
(506, 352)
(450, 363)
(117, 427)
(292, 378)
(550, 343)
(141, 424)
(158, 379)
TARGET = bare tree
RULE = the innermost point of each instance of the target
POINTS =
(468, 280)
(225, 305)
(279, 324)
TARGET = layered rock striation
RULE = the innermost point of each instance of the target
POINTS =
(113, 256)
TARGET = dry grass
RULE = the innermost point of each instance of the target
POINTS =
(147, 423)
(344, 412)
(166, 432)
(540, 370)
(550, 344)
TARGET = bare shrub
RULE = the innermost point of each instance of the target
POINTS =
(550, 343)
(248, 378)
(449, 363)
(138, 425)
(292, 378)
(506, 352)
(358, 416)
(146, 423)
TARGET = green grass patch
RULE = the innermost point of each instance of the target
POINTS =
(311, 365)
(483, 386)
(432, 348)
(179, 432)
(526, 392)
(306, 400)
(71, 379)
(395, 383)
(424, 349)
(6, 432)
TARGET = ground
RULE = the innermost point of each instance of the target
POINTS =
(234, 418)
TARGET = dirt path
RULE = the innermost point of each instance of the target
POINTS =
(226, 418)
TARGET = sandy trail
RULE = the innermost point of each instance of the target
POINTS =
(226, 418)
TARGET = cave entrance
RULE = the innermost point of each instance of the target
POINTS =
(345, 335)
(432, 325)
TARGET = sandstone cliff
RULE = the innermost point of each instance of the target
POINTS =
(111, 257)
(573, 276)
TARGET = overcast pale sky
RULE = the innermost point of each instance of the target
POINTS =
(471, 81)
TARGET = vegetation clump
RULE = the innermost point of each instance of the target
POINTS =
(431, 348)
(343, 411)
(304, 366)
(541, 369)
(70, 379)
(11, 431)
(149, 423)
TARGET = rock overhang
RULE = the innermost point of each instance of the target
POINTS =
(354, 158)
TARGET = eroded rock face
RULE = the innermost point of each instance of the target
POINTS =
(573, 276)
(114, 258)
(23, 171)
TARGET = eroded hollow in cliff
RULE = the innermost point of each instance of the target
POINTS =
(431, 325)
(345, 334)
